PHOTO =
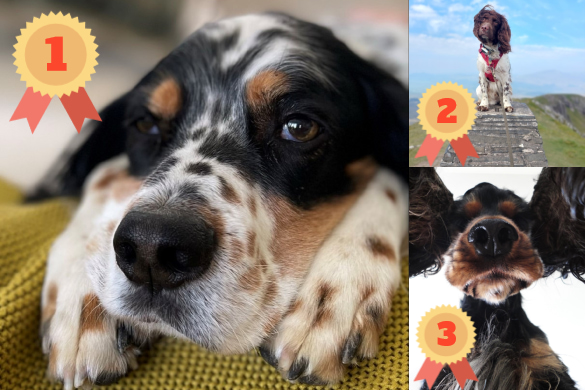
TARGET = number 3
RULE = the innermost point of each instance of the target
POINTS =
(451, 106)
(56, 63)
(449, 329)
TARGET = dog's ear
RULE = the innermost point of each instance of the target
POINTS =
(428, 236)
(92, 146)
(387, 116)
(558, 204)
(477, 23)
(504, 35)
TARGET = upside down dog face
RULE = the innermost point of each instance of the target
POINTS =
(247, 136)
(492, 256)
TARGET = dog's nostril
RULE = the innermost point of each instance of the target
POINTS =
(126, 251)
(163, 251)
(507, 234)
(479, 235)
(493, 237)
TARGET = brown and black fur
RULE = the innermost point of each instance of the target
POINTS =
(510, 352)
(498, 31)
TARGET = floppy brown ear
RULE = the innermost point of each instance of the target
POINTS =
(558, 204)
(476, 23)
(504, 35)
(428, 236)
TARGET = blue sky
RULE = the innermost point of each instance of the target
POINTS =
(548, 44)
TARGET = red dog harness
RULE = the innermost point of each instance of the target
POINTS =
(490, 63)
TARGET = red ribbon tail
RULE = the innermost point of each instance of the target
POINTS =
(463, 148)
(32, 106)
(79, 106)
(430, 148)
(429, 371)
(462, 371)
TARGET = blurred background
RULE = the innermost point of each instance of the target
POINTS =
(548, 302)
(133, 35)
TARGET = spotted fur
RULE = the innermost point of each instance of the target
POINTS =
(290, 222)
(493, 31)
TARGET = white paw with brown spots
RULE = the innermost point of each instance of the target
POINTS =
(343, 304)
(327, 331)
(82, 341)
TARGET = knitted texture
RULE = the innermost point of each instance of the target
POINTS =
(26, 234)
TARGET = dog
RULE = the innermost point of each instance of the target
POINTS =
(248, 192)
(493, 62)
(493, 244)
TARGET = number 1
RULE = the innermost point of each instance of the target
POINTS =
(56, 63)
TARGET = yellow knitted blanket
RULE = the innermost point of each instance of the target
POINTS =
(26, 234)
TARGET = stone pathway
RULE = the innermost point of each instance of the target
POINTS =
(488, 136)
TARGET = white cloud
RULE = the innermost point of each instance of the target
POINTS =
(521, 39)
(459, 8)
(493, 3)
(421, 11)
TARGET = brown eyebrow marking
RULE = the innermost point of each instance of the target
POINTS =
(265, 88)
(166, 99)
(508, 208)
(473, 208)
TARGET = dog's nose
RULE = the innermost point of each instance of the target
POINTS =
(492, 237)
(163, 251)
(484, 28)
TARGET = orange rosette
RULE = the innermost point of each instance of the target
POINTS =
(55, 55)
(446, 112)
(446, 335)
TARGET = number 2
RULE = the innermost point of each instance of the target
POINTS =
(56, 63)
(449, 329)
(451, 106)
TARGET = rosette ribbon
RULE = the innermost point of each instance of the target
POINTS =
(33, 105)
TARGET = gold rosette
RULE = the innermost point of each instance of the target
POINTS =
(446, 112)
(55, 55)
(446, 335)
(33, 53)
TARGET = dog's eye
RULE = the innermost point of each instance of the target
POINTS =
(147, 126)
(299, 130)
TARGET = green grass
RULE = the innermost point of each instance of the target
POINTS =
(563, 146)
(577, 120)
(416, 138)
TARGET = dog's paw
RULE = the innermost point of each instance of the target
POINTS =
(329, 327)
(509, 109)
(85, 345)
(482, 108)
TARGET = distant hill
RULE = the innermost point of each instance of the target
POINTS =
(561, 123)
(412, 110)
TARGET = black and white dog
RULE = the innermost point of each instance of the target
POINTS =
(244, 194)
(493, 244)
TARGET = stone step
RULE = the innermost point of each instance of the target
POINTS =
(510, 123)
(503, 128)
(490, 140)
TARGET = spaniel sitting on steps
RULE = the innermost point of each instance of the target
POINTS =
(493, 63)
